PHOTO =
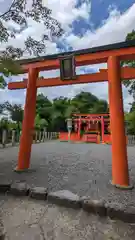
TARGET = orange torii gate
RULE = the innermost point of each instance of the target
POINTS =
(112, 54)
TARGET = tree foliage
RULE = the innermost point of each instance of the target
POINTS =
(100, 107)
(43, 107)
(84, 101)
(1, 108)
(132, 109)
(19, 13)
(16, 113)
(130, 118)
(130, 83)
(4, 123)
(40, 123)
(52, 115)
(57, 111)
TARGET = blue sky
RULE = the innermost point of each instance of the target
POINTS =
(87, 24)
(100, 9)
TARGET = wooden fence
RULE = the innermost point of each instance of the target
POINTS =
(12, 138)
(131, 140)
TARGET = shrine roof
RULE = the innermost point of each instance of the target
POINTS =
(115, 46)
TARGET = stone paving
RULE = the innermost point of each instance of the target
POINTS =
(84, 169)
(25, 219)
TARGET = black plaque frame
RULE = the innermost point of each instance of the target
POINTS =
(72, 74)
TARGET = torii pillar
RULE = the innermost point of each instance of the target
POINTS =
(120, 177)
(28, 122)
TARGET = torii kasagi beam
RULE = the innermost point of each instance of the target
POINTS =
(110, 54)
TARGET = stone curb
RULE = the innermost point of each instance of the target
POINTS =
(94, 206)
(38, 193)
(2, 231)
(68, 199)
(5, 186)
(64, 198)
(19, 189)
(125, 215)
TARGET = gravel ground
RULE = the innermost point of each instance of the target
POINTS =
(84, 169)
(25, 219)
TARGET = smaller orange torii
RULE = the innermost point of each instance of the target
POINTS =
(101, 76)
(95, 128)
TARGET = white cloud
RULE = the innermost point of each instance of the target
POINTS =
(66, 12)
(114, 29)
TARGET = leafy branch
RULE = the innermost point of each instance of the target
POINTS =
(19, 13)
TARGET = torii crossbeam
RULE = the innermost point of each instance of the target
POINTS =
(101, 76)
(110, 54)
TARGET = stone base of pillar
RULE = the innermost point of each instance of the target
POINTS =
(21, 170)
(129, 187)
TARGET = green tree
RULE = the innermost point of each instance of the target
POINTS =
(130, 83)
(43, 107)
(84, 101)
(130, 119)
(132, 109)
(3, 83)
(12, 125)
(1, 108)
(4, 123)
(57, 111)
(71, 109)
(16, 113)
(100, 107)
(59, 108)
(19, 14)
(40, 123)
